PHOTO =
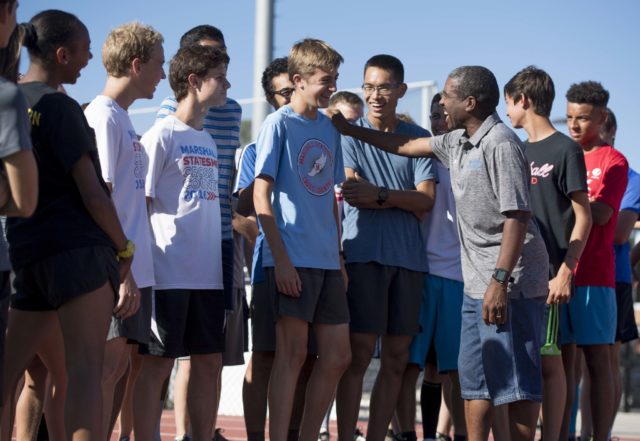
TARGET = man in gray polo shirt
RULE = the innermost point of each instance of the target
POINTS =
(504, 260)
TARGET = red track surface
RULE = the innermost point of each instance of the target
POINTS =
(234, 428)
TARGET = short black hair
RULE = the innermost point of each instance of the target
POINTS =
(436, 99)
(536, 85)
(49, 30)
(611, 122)
(199, 33)
(275, 68)
(388, 63)
(588, 92)
(480, 83)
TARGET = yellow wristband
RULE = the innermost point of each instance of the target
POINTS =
(128, 251)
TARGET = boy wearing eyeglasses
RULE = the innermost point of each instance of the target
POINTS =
(299, 160)
(385, 197)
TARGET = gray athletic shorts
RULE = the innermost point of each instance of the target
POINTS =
(384, 300)
(137, 327)
(322, 300)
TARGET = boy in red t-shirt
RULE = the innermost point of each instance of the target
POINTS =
(590, 318)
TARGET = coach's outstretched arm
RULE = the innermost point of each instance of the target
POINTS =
(399, 144)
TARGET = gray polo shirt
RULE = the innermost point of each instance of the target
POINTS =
(490, 176)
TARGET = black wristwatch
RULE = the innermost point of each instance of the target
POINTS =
(502, 276)
(383, 195)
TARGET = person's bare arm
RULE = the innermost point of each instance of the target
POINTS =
(22, 180)
(245, 201)
(360, 193)
(494, 306)
(247, 226)
(626, 221)
(99, 206)
(600, 212)
(560, 285)
(391, 142)
(287, 279)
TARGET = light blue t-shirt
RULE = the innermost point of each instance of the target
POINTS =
(631, 202)
(304, 159)
(246, 176)
(390, 236)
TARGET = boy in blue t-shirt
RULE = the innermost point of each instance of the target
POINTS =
(298, 162)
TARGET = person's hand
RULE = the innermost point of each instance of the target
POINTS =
(358, 192)
(494, 305)
(560, 287)
(128, 299)
(339, 121)
(124, 268)
(287, 279)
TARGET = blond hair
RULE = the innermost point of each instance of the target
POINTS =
(310, 54)
(126, 43)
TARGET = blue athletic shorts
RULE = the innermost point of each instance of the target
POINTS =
(590, 317)
(501, 363)
(440, 318)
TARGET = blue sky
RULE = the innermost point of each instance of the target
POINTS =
(573, 40)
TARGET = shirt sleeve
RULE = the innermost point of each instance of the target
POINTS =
(440, 147)
(269, 147)
(246, 169)
(510, 175)
(67, 128)
(614, 182)
(349, 155)
(15, 130)
(108, 141)
(631, 198)
(167, 107)
(154, 148)
(575, 176)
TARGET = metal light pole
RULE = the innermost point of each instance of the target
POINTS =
(263, 52)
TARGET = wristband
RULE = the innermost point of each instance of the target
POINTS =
(128, 251)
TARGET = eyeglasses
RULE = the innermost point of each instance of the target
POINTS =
(383, 89)
(285, 92)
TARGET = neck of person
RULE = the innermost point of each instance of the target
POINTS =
(191, 112)
(388, 123)
(38, 73)
(120, 90)
(538, 128)
(593, 145)
(301, 107)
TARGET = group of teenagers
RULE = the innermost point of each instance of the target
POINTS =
(481, 259)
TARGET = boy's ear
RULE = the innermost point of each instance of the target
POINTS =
(135, 66)
(526, 102)
(402, 89)
(297, 81)
(194, 81)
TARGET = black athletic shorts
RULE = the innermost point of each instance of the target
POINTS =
(51, 282)
(187, 322)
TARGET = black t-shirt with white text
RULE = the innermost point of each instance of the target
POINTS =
(60, 136)
(557, 170)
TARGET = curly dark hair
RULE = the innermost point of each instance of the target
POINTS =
(588, 92)
(275, 68)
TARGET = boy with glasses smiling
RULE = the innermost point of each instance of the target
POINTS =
(385, 195)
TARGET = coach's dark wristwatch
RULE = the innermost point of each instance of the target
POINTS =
(502, 276)
(383, 195)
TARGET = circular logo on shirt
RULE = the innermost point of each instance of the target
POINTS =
(315, 167)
